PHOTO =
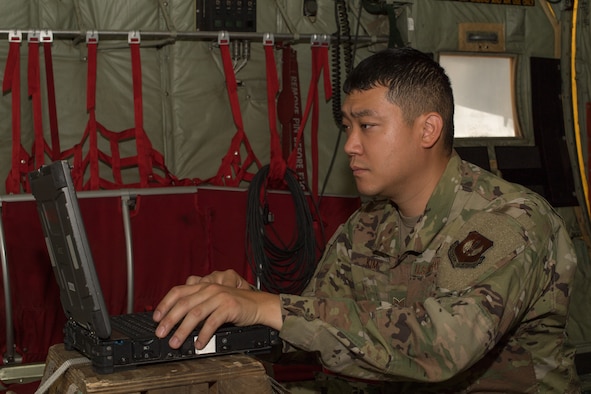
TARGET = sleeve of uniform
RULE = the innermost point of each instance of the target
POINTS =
(448, 332)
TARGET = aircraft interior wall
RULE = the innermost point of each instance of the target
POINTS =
(188, 117)
(186, 109)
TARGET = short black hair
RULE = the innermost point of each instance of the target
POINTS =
(416, 83)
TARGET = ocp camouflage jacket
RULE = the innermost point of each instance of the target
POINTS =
(474, 299)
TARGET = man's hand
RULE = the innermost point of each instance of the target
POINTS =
(228, 278)
(215, 299)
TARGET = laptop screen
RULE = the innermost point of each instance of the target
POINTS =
(68, 248)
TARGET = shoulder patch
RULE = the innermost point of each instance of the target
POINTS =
(482, 244)
(470, 252)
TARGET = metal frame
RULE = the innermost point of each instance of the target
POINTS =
(168, 38)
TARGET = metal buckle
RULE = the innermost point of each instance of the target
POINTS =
(268, 39)
(46, 36)
(320, 40)
(133, 37)
(15, 36)
(223, 38)
(33, 36)
(92, 37)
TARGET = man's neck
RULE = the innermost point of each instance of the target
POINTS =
(413, 204)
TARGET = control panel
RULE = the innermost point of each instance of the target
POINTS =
(228, 15)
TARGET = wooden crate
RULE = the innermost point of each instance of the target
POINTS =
(236, 373)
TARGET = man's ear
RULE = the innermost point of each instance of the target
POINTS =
(432, 129)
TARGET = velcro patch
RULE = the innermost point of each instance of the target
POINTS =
(481, 245)
(470, 252)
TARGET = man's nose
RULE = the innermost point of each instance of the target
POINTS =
(352, 145)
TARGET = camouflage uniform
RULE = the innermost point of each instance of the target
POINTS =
(475, 299)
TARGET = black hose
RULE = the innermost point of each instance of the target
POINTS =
(279, 266)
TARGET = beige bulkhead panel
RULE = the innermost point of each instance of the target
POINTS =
(186, 110)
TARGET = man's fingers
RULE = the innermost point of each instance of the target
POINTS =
(193, 280)
(206, 309)
(169, 301)
(214, 304)
(188, 324)
(207, 331)
(174, 306)
(222, 309)
(228, 278)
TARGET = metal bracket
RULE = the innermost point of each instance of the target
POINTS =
(320, 40)
(92, 37)
(46, 36)
(268, 39)
(15, 36)
(33, 36)
(22, 373)
(133, 37)
(223, 38)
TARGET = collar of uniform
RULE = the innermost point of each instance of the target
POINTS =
(444, 204)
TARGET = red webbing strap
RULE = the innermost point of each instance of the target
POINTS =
(115, 158)
(232, 160)
(314, 129)
(286, 107)
(277, 164)
(290, 113)
(143, 145)
(146, 157)
(319, 63)
(47, 40)
(34, 81)
(91, 127)
(11, 83)
(321, 59)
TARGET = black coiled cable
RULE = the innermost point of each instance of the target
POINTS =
(343, 21)
(280, 267)
(342, 37)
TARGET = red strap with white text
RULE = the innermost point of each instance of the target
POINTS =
(320, 44)
(289, 111)
(277, 164)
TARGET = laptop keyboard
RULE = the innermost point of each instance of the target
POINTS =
(135, 325)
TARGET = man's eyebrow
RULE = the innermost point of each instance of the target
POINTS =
(361, 113)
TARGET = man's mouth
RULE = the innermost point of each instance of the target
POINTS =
(357, 170)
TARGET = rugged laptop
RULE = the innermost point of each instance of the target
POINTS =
(112, 342)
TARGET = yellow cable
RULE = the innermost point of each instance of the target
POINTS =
(577, 127)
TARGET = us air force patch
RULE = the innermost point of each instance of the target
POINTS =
(470, 252)
(475, 248)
